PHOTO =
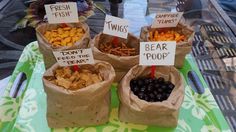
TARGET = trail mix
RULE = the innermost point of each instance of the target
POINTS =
(151, 89)
(64, 36)
(166, 35)
(117, 48)
(73, 80)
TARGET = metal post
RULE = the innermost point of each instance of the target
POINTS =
(114, 7)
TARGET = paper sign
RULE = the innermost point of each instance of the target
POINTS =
(74, 57)
(157, 53)
(116, 26)
(62, 12)
(169, 19)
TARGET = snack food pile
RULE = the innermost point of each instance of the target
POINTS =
(166, 35)
(88, 86)
(151, 89)
(73, 80)
(64, 36)
(116, 48)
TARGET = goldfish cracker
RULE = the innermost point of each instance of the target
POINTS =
(74, 29)
(62, 36)
(60, 30)
(66, 36)
(72, 33)
(56, 43)
(57, 39)
(80, 30)
(74, 39)
(47, 34)
(66, 33)
(63, 43)
(51, 40)
(67, 40)
(54, 34)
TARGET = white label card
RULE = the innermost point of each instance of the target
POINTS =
(116, 26)
(74, 57)
(169, 19)
(157, 53)
(62, 12)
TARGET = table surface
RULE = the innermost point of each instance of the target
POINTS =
(220, 80)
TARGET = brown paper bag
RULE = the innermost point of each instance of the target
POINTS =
(134, 110)
(82, 107)
(121, 64)
(182, 48)
(46, 48)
